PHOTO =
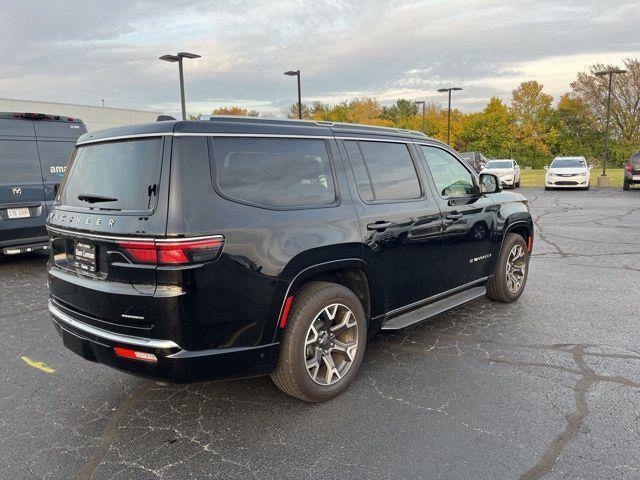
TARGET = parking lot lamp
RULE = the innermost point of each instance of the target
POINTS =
(449, 90)
(178, 58)
(296, 73)
(423, 103)
(611, 72)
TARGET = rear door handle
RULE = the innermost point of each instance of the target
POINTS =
(379, 225)
(453, 216)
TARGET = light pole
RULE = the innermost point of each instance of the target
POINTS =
(611, 72)
(450, 89)
(296, 73)
(178, 58)
(423, 103)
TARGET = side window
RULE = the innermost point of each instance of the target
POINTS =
(275, 172)
(452, 179)
(383, 171)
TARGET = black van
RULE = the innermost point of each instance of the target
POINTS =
(34, 151)
(238, 247)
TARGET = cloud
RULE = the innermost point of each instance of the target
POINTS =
(85, 51)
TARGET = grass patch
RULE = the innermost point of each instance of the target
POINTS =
(535, 178)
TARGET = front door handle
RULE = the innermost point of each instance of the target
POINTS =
(380, 225)
(454, 216)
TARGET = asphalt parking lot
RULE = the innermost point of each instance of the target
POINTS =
(548, 387)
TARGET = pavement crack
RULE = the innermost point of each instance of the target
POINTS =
(110, 430)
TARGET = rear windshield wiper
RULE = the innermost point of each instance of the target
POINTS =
(92, 198)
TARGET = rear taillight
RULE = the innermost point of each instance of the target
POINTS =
(628, 168)
(173, 252)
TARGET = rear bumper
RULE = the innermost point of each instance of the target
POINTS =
(22, 245)
(174, 363)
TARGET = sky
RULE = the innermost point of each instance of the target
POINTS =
(90, 50)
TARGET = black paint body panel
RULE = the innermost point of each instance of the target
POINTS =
(229, 308)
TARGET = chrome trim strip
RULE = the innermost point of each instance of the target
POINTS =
(64, 231)
(62, 318)
(123, 137)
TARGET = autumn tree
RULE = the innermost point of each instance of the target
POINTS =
(491, 131)
(531, 109)
(235, 110)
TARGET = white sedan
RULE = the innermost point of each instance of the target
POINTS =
(567, 172)
(507, 171)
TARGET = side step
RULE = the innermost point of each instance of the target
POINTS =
(414, 316)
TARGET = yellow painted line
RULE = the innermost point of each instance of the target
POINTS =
(38, 365)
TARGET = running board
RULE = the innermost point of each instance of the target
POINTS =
(419, 314)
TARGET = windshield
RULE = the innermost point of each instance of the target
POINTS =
(499, 164)
(568, 163)
(114, 175)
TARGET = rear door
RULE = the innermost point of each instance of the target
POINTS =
(55, 140)
(399, 221)
(113, 192)
(21, 193)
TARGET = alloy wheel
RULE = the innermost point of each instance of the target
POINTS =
(516, 268)
(331, 344)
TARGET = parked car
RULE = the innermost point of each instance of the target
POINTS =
(567, 172)
(239, 247)
(34, 150)
(475, 159)
(632, 171)
(507, 171)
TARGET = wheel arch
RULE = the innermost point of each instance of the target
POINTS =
(353, 273)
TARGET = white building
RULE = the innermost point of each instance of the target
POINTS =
(95, 118)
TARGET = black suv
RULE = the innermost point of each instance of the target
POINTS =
(239, 247)
(34, 151)
(632, 171)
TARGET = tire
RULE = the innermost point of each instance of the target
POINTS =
(500, 287)
(547, 188)
(313, 306)
(518, 184)
(625, 185)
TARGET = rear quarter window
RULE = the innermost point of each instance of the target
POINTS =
(273, 172)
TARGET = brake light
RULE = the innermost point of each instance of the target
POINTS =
(135, 355)
(173, 252)
(628, 167)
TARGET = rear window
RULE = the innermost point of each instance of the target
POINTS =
(635, 158)
(127, 173)
(274, 172)
(19, 162)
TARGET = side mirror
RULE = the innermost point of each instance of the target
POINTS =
(489, 183)
(546, 167)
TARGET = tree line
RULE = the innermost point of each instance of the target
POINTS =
(530, 127)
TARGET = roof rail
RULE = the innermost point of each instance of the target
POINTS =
(164, 118)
